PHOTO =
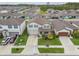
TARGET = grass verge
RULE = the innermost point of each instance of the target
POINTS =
(22, 39)
(51, 50)
(17, 50)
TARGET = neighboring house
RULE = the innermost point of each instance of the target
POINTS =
(63, 28)
(65, 14)
(75, 23)
(12, 27)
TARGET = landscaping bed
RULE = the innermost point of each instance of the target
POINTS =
(17, 50)
(51, 50)
(22, 39)
(55, 41)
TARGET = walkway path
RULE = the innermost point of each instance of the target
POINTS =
(70, 49)
(31, 46)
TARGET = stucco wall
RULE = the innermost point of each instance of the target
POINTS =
(22, 27)
(33, 30)
(10, 30)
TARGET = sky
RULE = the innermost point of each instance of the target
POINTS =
(35, 3)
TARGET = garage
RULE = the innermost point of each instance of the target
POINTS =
(63, 34)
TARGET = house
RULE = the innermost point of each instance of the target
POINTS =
(75, 23)
(12, 27)
(63, 28)
(64, 14)
(44, 26)
(34, 25)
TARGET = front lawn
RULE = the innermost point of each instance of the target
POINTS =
(17, 50)
(75, 38)
(51, 50)
(22, 39)
(55, 41)
(75, 41)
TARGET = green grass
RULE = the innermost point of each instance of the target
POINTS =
(50, 42)
(51, 50)
(22, 39)
(1, 38)
(75, 41)
(17, 50)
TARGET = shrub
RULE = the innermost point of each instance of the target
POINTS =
(50, 36)
(75, 34)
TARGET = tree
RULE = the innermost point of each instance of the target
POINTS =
(44, 8)
(75, 34)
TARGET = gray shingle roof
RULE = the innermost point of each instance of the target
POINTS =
(60, 24)
(40, 21)
(11, 21)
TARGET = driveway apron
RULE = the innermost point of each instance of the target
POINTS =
(69, 47)
(31, 46)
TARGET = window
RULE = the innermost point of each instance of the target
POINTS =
(36, 26)
(30, 26)
(0, 27)
(40, 32)
(45, 32)
(54, 17)
(10, 26)
(46, 26)
(8, 17)
(49, 11)
(22, 17)
(15, 26)
(3, 17)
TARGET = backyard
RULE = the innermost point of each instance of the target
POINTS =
(22, 39)
(51, 50)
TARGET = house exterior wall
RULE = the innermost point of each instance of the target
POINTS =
(33, 30)
(22, 27)
(19, 30)
(46, 26)
(9, 30)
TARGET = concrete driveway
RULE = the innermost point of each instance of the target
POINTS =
(6, 50)
(69, 47)
(31, 46)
